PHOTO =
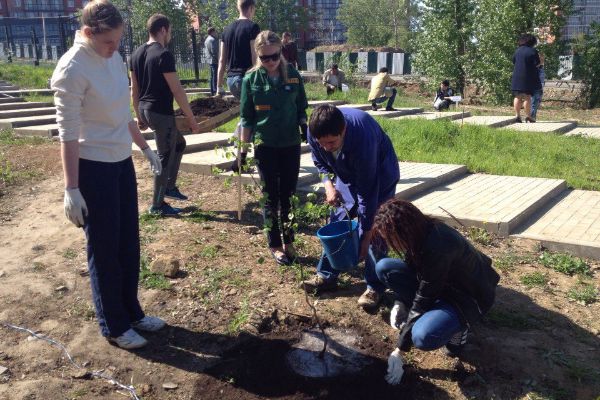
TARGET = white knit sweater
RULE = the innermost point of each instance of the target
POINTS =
(92, 102)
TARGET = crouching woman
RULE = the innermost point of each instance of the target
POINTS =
(442, 287)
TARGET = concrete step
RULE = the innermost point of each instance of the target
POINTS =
(21, 92)
(197, 142)
(205, 162)
(397, 113)
(31, 112)
(544, 126)
(430, 115)
(23, 105)
(4, 100)
(4, 88)
(585, 131)
(307, 175)
(489, 120)
(316, 103)
(414, 178)
(498, 204)
(49, 130)
(363, 107)
(570, 222)
(27, 121)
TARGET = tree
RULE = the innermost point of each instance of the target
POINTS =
(497, 26)
(137, 13)
(280, 16)
(587, 66)
(444, 42)
(377, 23)
(218, 14)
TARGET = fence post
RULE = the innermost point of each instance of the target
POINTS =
(36, 62)
(195, 54)
(61, 32)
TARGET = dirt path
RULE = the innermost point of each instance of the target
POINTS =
(234, 315)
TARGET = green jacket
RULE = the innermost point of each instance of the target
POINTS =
(273, 111)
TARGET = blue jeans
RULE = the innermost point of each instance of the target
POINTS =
(436, 327)
(377, 249)
(213, 78)
(536, 100)
(235, 85)
(113, 242)
(390, 99)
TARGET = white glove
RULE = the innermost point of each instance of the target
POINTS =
(155, 165)
(394, 316)
(395, 368)
(75, 207)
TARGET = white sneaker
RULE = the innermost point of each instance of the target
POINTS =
(149, 324)
(129, 340)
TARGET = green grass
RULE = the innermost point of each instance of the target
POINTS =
(510, 319)
(565, 263)
(498, 151)
(479, 235)
(8, 138)
(535, 279)
(240, 318)
(149, 279)
(209, 251)
(583, 292)
(42, 98)
(69, 254)
(27, 76)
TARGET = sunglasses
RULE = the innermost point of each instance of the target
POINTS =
(272, 57)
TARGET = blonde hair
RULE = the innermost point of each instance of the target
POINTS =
(269, 38)
(101, 16)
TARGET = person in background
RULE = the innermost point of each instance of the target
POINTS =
(442, 286)
(289, 49)
(382, 90)
(525, 77)
(442, 99)
(236, 56)
(154, 85)
(536, 99)
(333, 79)
(350, 145)
(96, 131)
(273, 106)
(236, 52)
(211, 49)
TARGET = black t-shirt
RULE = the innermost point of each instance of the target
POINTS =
(149, 62)
(237, 37)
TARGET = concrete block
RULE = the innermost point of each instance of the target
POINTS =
(496, 203)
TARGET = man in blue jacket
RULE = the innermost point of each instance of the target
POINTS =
(360, 171)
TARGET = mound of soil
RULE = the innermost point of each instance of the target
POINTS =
(209, 106)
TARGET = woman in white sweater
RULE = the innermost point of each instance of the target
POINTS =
(96, 132)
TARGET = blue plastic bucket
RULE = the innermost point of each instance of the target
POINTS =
(340, 244)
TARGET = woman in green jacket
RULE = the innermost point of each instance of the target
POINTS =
(273, 105)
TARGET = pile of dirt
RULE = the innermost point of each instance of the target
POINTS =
(348, 48)
(209, 106)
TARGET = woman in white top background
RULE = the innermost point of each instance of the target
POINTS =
(96, 131)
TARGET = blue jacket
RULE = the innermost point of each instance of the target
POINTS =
(367, 163)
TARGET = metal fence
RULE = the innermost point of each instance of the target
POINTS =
(49, 38)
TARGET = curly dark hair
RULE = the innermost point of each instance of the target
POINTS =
(403, 227)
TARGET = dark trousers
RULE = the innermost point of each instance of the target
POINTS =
(113, 242)
(213, 78)
(390, 100)
(278, 169)
(170, 145)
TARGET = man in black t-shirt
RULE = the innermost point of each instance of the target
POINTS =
(154, 84)
(237, 48)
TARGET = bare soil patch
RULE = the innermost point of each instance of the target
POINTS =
(209, 106)
(234, 315)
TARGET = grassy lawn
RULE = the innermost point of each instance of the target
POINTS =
(498, 151)
(27, 76)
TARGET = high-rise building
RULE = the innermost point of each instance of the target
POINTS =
(585, 12)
